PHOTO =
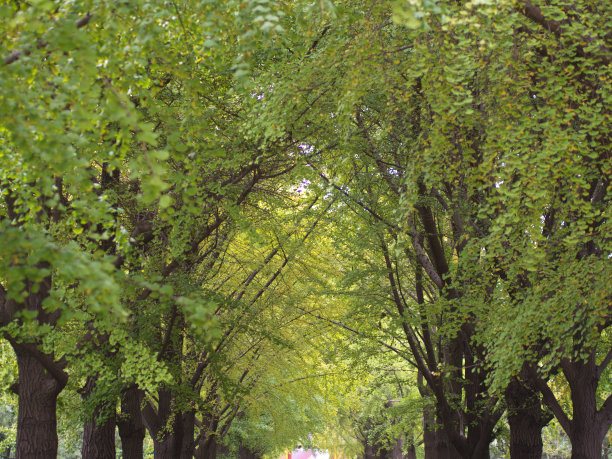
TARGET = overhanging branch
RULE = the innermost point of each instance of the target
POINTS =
(16, 55)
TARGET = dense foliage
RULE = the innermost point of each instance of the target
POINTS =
(377, 228)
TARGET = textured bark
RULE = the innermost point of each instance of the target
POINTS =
(99, 439)
(437, 445)
(130, 424)
(166, 449)
(587, 432)
(480, 448)
(587, 426)
(188, 443)
(99, 429)
(588, 445)
(207, 448)
(167, 444)
(524, 418)
(179, 443)
(170, 446)
(36, 420)
(40, 376)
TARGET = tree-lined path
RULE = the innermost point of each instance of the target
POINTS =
(380, 229)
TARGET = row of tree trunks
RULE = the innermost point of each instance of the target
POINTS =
(179, 443)
(525, 419)
(38, 390)
(37, 424)
(41, 379)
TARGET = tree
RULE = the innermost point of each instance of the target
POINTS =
(450, 138)
(156, 248)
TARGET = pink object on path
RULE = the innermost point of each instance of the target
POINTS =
(297, 454)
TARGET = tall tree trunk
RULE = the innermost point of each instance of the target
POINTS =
(525, 418)
(587, 426)
(480, 448)
(586, 432)
(36, 419)
(98, 434)
(435, 440)
(130, 424)
(169, 447)
(99, 439)
(397, 453)
(479, 422)
(166, 449)
(410, 453)
(167, 444)
(207, 448)
(40, 376)
(434, 437)
(247, 453)
(188, 443)
(436, 444)
(587, 445)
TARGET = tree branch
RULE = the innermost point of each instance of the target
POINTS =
(551, 401)
(16, 55)
(604, 415)
(54, 367)
(534, 13)
(605, 362)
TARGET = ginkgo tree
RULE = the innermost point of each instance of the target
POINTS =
(166, 167)
(473, 139)
(93, 160)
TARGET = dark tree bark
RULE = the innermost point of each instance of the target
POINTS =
(36, 420)
(588, 426)
(525, 418)
(99, 439)
(410, 453)
(130, 424)
(40, 376)
(207, 448)
(188, 443)
(166, 449)
(167, 445)
(370, 452)
(248, 453)
(588, 445)
(480, 413)
(435, 440)
(99, 429)
(178, 441)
